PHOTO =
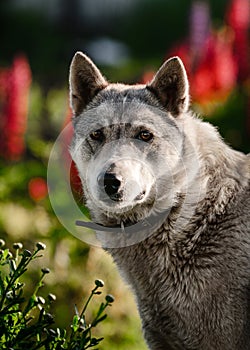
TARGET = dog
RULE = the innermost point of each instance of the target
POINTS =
(174, 202)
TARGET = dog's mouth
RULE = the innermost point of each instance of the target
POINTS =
(119, 197)
(140, 196)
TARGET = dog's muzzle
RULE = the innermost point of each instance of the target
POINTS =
(119, 187)
(121, 184)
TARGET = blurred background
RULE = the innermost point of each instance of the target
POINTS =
(128, 40)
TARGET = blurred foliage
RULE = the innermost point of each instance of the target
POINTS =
(50, 43)
(230, 119)
(159, 24)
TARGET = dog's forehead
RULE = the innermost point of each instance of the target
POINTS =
(124, 105)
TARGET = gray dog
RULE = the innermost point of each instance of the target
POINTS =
(176, 200)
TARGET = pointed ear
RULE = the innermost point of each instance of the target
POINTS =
(85, 81)
(170, 85)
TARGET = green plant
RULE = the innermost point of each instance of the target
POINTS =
(26, 321)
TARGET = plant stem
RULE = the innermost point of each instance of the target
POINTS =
(88, 301)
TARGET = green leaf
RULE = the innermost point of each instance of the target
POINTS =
(5, 254)
(75, 323)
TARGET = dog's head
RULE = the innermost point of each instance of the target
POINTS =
(128, 143)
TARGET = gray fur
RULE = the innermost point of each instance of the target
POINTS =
(191, 277)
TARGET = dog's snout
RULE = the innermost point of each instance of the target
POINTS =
(111, 184)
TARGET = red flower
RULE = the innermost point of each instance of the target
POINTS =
(38, 189)
(75, 180)
(238, 18)
(15, 84)
(214, 75)
(238, 15)
(215, 62)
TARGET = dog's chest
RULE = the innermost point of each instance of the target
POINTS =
(156, 275)
(165, 289)
(182, 295)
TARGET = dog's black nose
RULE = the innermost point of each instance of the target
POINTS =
(111, 185)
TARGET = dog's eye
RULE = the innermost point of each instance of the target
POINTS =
(97, 135)
(145, 136)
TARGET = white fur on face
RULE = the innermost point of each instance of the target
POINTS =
(137, 177)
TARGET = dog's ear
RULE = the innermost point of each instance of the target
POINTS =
(85, 81)
(170, 85)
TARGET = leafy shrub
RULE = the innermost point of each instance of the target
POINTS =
(26, 322)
